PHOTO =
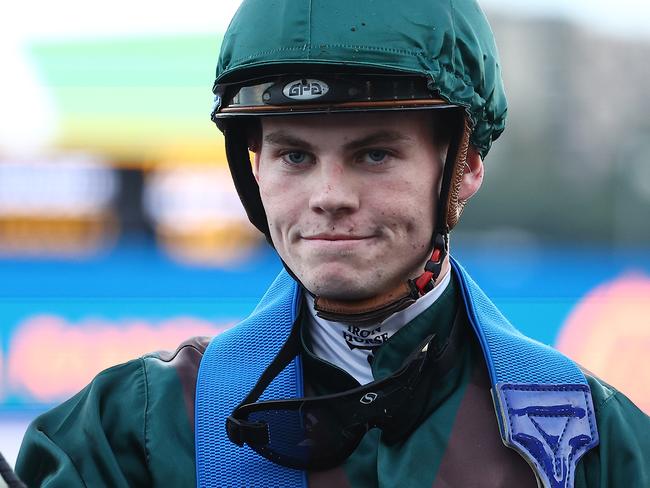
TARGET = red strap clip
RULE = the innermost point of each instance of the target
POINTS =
(425, 278)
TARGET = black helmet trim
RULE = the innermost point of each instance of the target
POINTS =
(287, 94)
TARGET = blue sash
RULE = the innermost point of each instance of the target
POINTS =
(542, 399)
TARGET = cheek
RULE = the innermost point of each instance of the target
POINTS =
(408, 205)
(273, 202)
(418, 227)
(281, 199)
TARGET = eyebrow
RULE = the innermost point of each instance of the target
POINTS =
(379, 137)
(282, 138)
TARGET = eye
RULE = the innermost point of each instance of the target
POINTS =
(375, 156)
(296, 157)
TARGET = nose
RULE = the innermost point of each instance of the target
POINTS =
(333, 190)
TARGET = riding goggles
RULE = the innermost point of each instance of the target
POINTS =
(318, 433)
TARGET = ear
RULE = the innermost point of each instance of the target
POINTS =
(473, 176)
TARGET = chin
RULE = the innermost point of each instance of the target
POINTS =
(335, 286)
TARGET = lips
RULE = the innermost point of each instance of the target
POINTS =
(336, 243)
(334, 237)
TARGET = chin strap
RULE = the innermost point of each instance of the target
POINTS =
(376, 309)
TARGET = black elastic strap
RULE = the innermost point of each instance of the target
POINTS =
(242, 175)
(289, 350)
(8, 474)
(241, 431)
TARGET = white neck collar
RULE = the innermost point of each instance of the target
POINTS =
(349, 346)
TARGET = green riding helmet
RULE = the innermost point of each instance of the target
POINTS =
(447, 42)
(281, 57)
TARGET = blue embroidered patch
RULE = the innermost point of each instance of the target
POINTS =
(552, 426)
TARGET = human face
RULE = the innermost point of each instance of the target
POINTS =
(349, 198)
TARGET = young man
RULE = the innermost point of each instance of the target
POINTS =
(381, 363)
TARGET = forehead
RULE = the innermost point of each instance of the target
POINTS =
(413, 124)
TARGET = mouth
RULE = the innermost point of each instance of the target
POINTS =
(335, 237)
(336, 248)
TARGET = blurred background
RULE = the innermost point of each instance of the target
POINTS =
(121, 232)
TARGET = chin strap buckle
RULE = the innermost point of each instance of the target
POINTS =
(425, 282)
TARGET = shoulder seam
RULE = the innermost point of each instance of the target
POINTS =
(156, 355)
(613, 393)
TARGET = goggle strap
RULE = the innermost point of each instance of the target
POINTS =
(243, 432)
(288, 351)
